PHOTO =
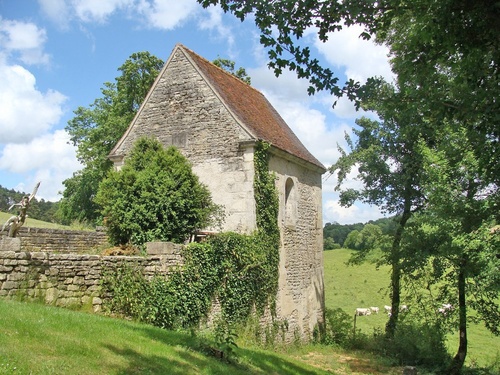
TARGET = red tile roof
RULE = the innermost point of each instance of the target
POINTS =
(252, 109)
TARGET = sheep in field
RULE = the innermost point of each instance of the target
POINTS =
(363, 311)
(374, 309)
(446, 307)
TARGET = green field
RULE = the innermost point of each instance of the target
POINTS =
(349, 287)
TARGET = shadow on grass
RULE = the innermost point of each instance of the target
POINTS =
(138, 363)
(269, 363)
(193, 357)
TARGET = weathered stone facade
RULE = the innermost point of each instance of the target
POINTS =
(215, 120)
(301, 294)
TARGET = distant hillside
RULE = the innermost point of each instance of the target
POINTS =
(39, 209)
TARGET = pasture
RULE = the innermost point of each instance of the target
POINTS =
(351, 287)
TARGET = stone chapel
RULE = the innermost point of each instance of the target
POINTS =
(215, 119)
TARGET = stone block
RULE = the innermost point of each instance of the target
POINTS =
(16, 276)
(10, 244)
(9, 285)
(159, 248)
(51, 295)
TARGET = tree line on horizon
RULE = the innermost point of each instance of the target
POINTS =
(39, 209)
(357, 236)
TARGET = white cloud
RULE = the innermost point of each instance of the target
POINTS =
(24, 40)
(361, 59)
(211, 19)
(56, 10)
(25, 112)
(166, 14)
(357, 213)
(159, 14)
(98, 10)
(49, 159)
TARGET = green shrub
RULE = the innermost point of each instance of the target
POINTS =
(337, 329)
(155, 197)
(416, 344)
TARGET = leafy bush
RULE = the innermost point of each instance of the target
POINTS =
(416, 344)
(154, 197)
(337, 329)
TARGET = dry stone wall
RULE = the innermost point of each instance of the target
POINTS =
(58, 240)
(70, 279)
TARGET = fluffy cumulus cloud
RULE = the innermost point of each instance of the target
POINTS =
(28, 115)
(32, 159)
(167, 14)
(361, 59)
(25, 112)
(23, 40)
(97, 10)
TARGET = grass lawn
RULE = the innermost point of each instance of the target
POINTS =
(49, 340)
(40, 339)
(349, 287)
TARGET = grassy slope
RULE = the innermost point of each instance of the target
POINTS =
(349, 287)
(4, 216)
(50, 340)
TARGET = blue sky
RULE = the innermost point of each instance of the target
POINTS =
(55, 56)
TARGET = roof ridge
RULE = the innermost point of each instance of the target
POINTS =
(253, 112)
(218, 67)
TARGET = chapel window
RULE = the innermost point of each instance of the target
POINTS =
(290, 203)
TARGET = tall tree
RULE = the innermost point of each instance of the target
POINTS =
(229, 66)
(96, 129)
(456, 228)
(387, 154)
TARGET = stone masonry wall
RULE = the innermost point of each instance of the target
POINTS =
(58, 240)
(68, 279)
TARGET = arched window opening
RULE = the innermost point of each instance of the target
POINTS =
(290, 203)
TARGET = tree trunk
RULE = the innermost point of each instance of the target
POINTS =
(459, 359)
(391, 325)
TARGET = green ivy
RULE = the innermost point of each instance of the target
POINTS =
(241, 271)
